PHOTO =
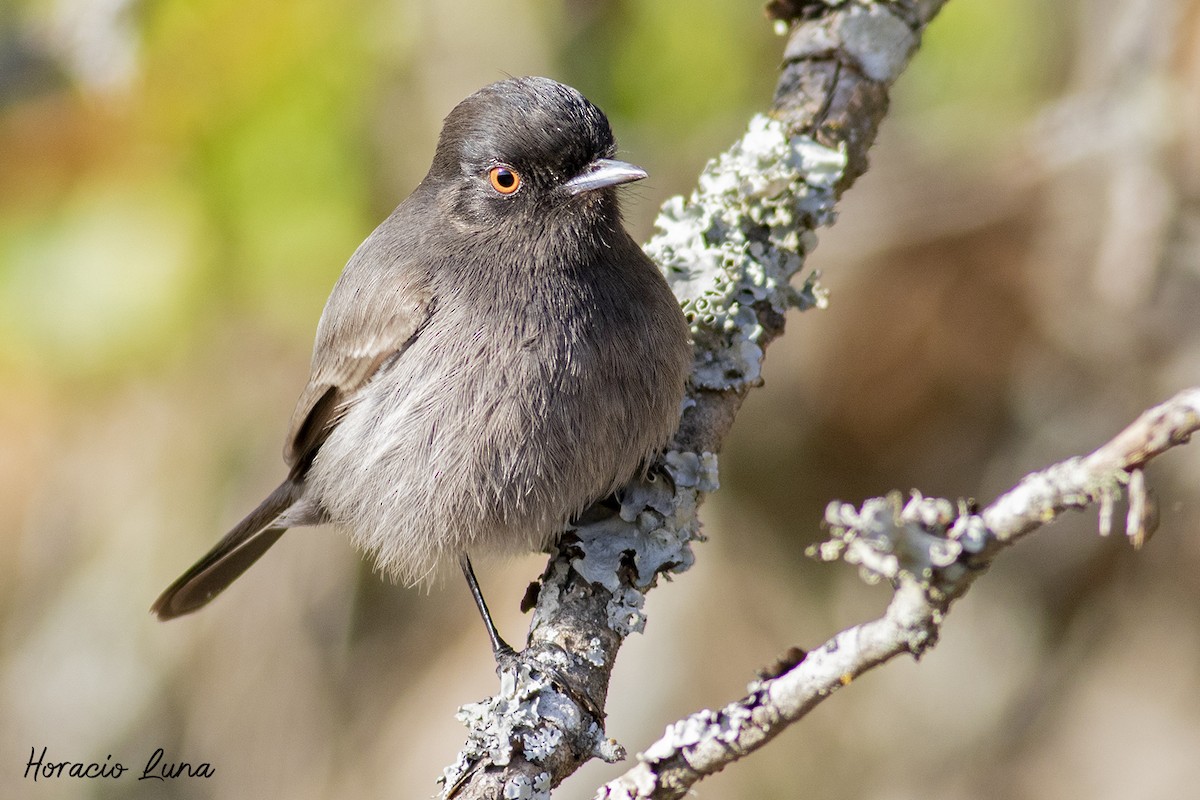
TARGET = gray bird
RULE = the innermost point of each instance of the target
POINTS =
(497, 355)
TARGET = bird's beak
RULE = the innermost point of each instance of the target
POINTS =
(604, 172)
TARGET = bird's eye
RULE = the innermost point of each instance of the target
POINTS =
(504, 179)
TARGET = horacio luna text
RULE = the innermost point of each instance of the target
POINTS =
(157, 768)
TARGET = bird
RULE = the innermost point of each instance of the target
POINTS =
(496, 357)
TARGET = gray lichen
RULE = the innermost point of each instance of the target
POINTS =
(607, 750)
(594, 654)
(705, 725)
(624, 611)
(657, 523)
(522, 787)
(540, 744)
(925, 537)
(738, 241)
(691, 470)
(527, 713)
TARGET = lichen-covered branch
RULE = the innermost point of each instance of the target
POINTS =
(731, 252)
(1098, 478)
(931, 550)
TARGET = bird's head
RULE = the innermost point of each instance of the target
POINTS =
(528, 147)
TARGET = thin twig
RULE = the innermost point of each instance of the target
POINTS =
(708, 741)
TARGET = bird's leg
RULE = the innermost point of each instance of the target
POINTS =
(507, 658)
(500, 648)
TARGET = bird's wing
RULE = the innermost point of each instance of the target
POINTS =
(376, 309)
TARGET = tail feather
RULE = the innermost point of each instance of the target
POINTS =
(231, 556)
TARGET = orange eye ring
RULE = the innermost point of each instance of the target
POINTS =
(503, 179)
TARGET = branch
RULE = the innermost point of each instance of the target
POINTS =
(730, 252)
(932, 555)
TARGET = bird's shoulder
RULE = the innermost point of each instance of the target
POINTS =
(382, 299)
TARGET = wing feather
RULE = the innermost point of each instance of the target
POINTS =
(377, 307)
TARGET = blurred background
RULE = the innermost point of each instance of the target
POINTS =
(1012, 282)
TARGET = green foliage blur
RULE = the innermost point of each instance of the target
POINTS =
(175, 162)
(182, 161)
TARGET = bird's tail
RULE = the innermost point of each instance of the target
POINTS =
(231, 556)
